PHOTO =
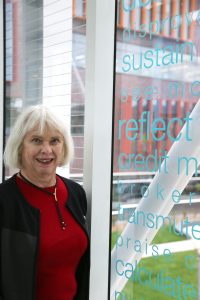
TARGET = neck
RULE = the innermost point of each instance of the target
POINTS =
(44, 181)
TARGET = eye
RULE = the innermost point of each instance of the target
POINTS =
(36, 140)
(55, 141)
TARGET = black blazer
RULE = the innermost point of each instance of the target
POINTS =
(19, 239)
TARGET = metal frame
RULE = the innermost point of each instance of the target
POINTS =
(1, 85)
(98, 137)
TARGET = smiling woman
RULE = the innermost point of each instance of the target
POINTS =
(38, 120)
(41, 154)
(43, 215)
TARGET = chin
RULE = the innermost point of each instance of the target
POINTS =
(46, 171)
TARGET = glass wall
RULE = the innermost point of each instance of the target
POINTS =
(154, 247)
(154, 235)
(45, 63)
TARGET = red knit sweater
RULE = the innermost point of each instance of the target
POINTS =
(59, 250)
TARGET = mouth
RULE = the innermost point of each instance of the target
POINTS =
(45, 161)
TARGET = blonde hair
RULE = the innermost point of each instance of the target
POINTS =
(33, 116)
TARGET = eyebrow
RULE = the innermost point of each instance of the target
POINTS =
(41, 136)
(36, 135)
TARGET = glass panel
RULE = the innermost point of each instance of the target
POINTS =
(155, 209)
(45, 63)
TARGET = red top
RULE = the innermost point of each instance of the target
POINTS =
(59, 250)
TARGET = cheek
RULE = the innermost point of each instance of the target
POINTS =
(25, 157)
(61, 153)
(28, 153)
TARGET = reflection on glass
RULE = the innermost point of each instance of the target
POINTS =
(45, 63)
(156, 87)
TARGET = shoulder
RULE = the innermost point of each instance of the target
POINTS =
(73, 185)
(7, 186)
(77, 192)
(7, 194)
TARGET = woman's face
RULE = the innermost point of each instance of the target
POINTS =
(41, 153)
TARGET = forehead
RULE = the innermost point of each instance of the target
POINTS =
(46, 132)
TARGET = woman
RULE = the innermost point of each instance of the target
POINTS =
(44, 245)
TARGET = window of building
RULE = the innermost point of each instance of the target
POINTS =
(45, 63)
(157, 66)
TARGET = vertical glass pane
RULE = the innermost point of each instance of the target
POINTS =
(78, 86)
(155, 209)
(45, 63)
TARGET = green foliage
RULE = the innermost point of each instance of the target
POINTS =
(164, 235)
(174, 267)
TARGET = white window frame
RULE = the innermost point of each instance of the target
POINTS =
(98, 137)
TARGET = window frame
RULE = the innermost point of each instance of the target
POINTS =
(97, 182)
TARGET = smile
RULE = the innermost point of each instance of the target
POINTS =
(44, 161)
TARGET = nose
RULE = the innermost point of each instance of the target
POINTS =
(46, 148)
